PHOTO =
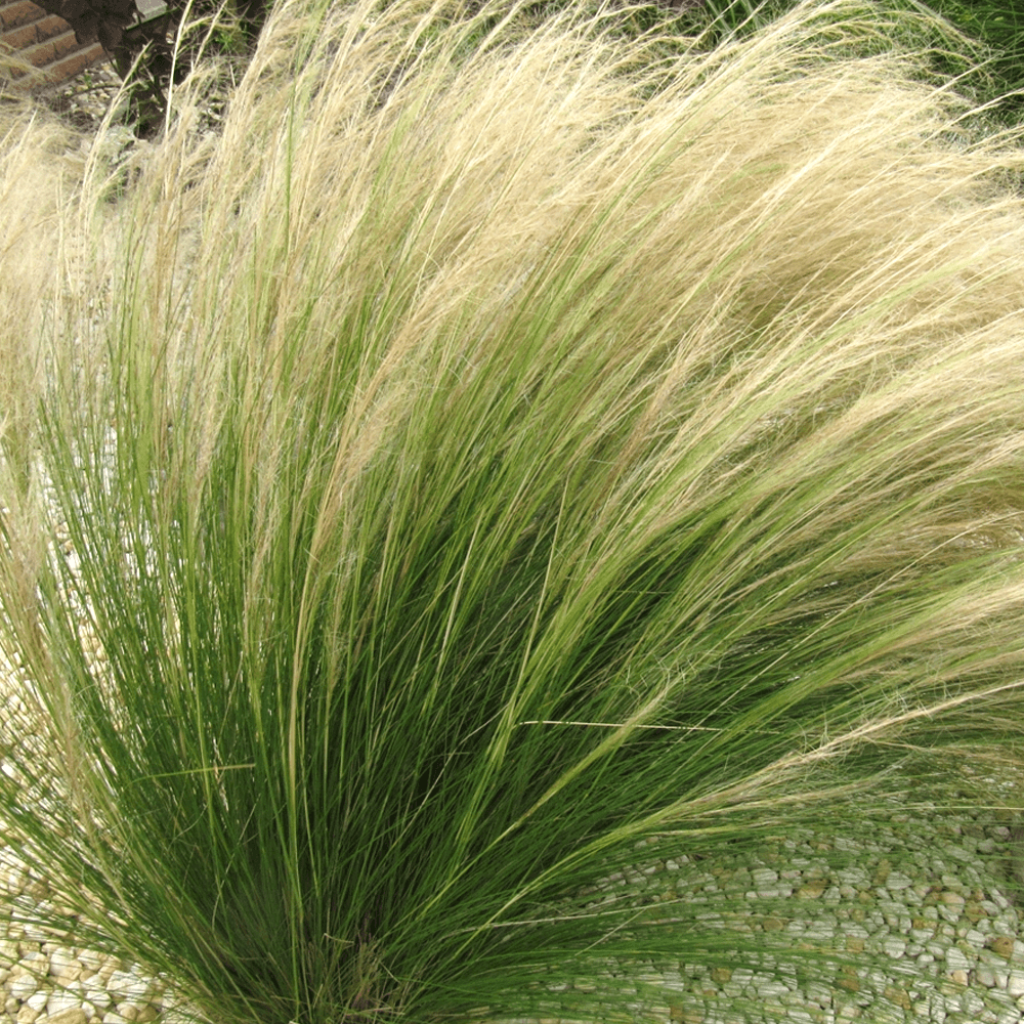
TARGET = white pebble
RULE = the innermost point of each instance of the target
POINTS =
(99, 998)
(955, 959)
(21, 986)
(60, 1001)
(37, 1001)
(897, 880)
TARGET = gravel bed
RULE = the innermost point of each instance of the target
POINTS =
(85, 99)
(924, 906)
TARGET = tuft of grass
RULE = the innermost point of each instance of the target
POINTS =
(505, 445)
(1000, 27)
(986, 58)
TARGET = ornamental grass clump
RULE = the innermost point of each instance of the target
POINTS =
(493, 453)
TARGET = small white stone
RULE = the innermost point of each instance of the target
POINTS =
(800, 1017)
(99, 998)
(37, 1001)
(60, 958)
(120, 981)
(91, 962)
(58, 1002)
(1015, 983)
(897, 880)
(854, 876)
(21, 986)
(972, 1003)
(955, 959)
(958, 853)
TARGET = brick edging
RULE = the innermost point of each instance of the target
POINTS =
(44, 41)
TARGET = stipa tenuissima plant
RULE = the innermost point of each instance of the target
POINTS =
(492, 451)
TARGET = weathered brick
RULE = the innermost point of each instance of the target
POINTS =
(40, 54)
(73, 63)
(44, 41)
(64, 43)
(21, 37)
(18, 13)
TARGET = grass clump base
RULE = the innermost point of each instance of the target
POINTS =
(495, 450)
